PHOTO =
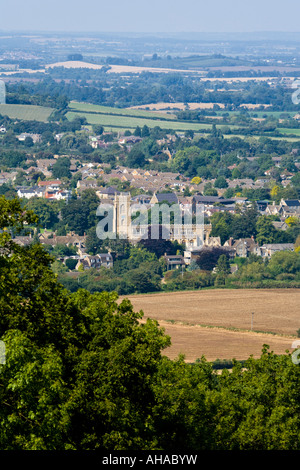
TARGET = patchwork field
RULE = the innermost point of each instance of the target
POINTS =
(157, 114)
(76, 106)
(26, 112)
(224, 324)
(116, 68)
(129, 118)
(131, 122)
(127, 69)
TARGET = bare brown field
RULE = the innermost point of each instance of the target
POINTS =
(14, 72)
(73, 64)
(191, 106)
(115, 68)
(254, 106)
(217, 324)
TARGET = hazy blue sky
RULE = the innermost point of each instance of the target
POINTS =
(150, 15)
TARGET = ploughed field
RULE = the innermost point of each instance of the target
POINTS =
(224, 324)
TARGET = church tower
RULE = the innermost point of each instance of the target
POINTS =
(122, 218)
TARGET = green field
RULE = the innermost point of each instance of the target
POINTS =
(122, 119)
(284, 130)
(129, 122)
(26, 112)
(99, 109)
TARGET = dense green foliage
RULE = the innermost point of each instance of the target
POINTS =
(251, 224)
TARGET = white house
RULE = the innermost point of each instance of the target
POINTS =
(28, 193)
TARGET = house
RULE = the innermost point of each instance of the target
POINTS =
(262, 205)
(57, 195)
(280, 225)
(292, 204)
(63, 195)
(193, 254)
(141, 199)
(286, 211)
(277, 161)
(243, 247)
(272, 209)
(97, 142)
(268, 249)
(185, 202)
(93, 141)
(261, 181)
(205, 200)
(71, 239)
(35, 137)
(174, 261)
(95, 261)
(107, 193)
(159, 198)
(132, 139)
(87, 184)
(213, 201)
(54, 184)
(44, 165)
(28, 193)
(3, 180)
(106, 259)
(209, 211)
(23, 240)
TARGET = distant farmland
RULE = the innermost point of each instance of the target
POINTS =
(134, 112)
(289, 131)
(128, 118)
(26, 112)
(130, 122)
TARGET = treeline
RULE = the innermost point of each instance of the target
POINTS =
(97, 87)
(37, 127)
(41, 95)
(250, 223)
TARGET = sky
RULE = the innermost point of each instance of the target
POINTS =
(169, 16)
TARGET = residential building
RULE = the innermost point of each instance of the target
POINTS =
(53, 184)
(243, 247)
(35, 137)
(29, 192)
(159, 198)
(174, 261)
(97, 261)
(268, 249)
